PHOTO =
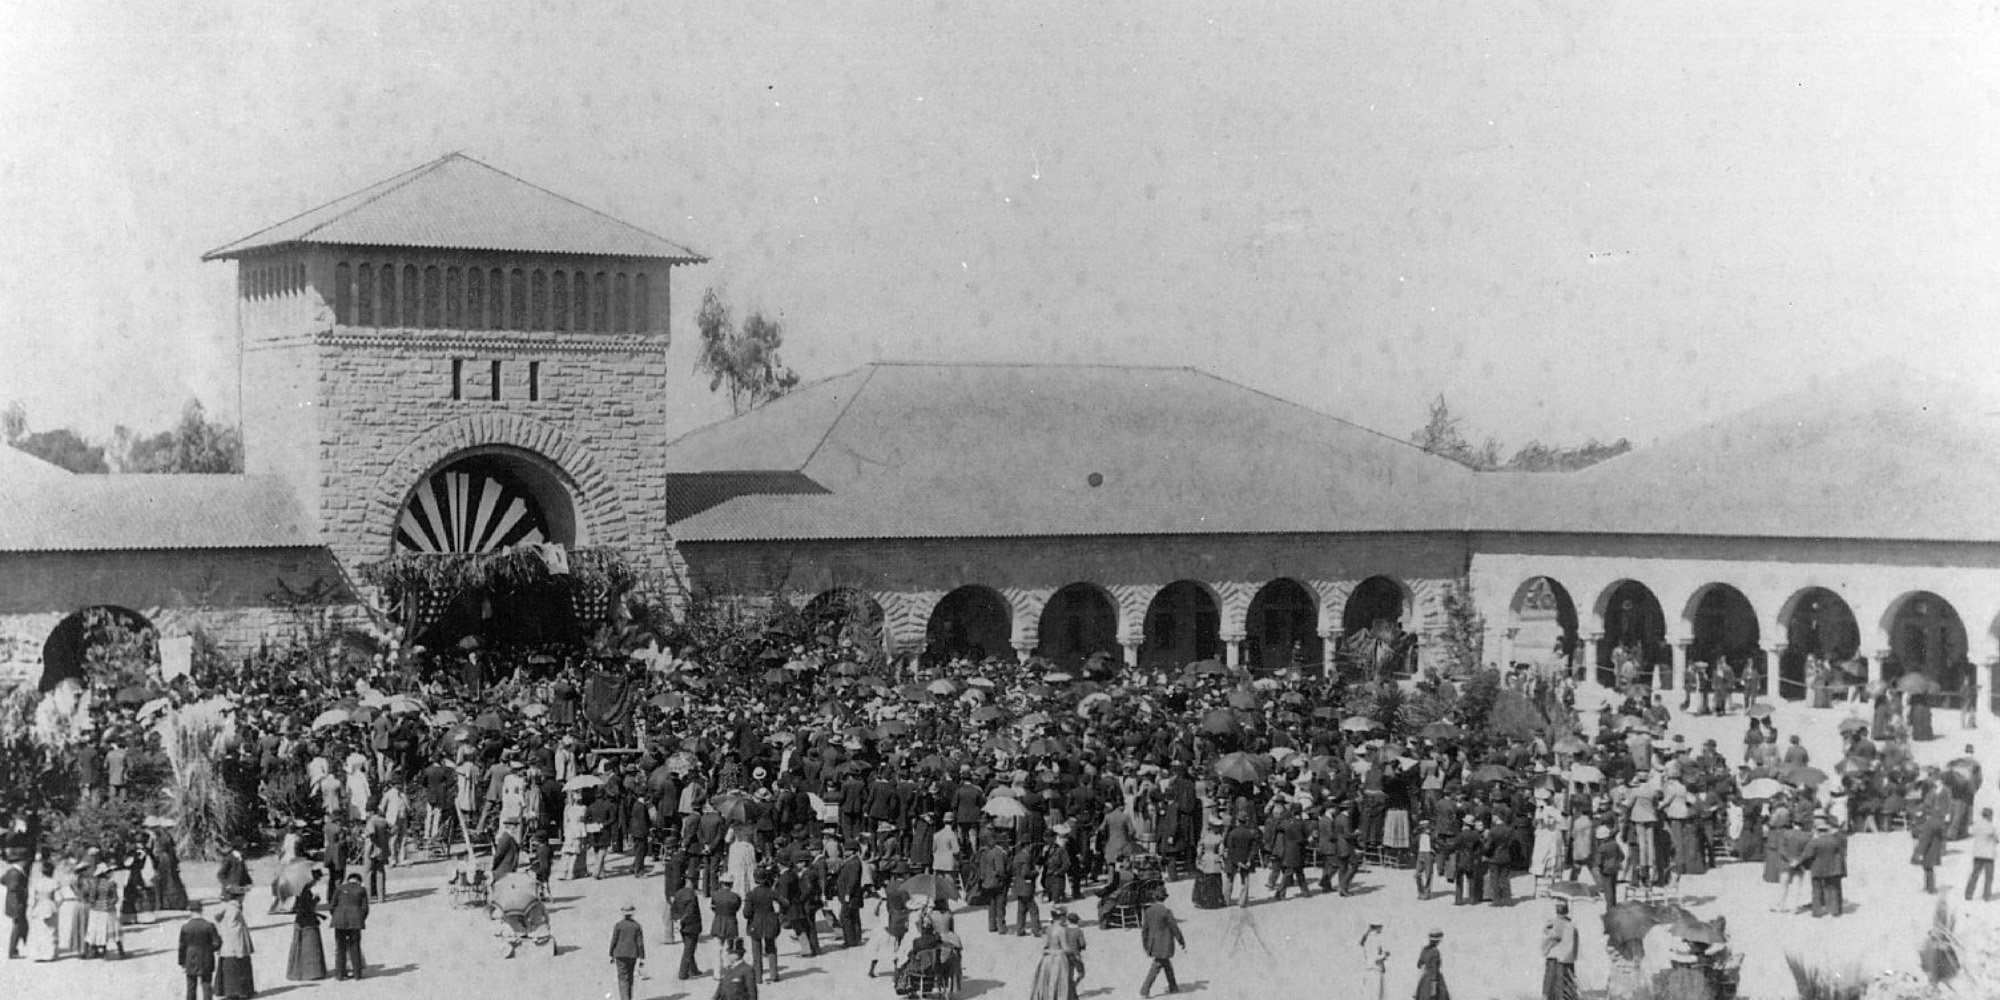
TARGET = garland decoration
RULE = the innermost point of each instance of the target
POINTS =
(595, 571)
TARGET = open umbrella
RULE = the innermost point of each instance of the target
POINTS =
(1804, 775)
(534, 710)
(940, 889)
(154, 707)
(161, 822)
(987, 713)
(943, 687)
(1033, 719)
(1207, 668)
(680, 763)
(581, 782)
(1850, 726)
(1631, 722)
(1003, 743)
(1492, 772)
(735, 807)
(489, 721)
(848, 668)
(893, 727)
(330, 718)
(668, 701)
(979, 682)
(1761, 788)
(1441, 730)
(448, 717)
(776, 675)
(1243, 699)
(1327, 712)
(1918, 684)
(1358, 724)
(1292, 698)
(1239, 767)
(1759, 710)
(1571, 744)
(1004, 808)
(1266, 684)
(1219, 722)
(135, 694)
(1047, 747)
(403, 704)
(1092, 702)
(1584, 774)
(1688, 929)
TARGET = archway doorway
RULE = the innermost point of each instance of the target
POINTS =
(1926, 636)
(1078, 621)
(1634, 623)
(1282, 628)
(1374, 601)
(1822, 626)
(972, 622)
(1724, 629)
(1183, 624)
(846, 621)
(1545, 625)
(120, 638)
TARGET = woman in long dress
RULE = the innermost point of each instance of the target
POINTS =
(135, 900)
(742, 860)
(169, 892)
(42, 912)
(234, 979)
(1055, 976)
(1546, 861)
(308, 958)
(72, 910)
(102, 932)
(1430, 978)
(1208, 870)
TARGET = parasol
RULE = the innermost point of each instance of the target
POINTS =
(1918, 684)
(534, 710)
(943, 687)
(1849, 726)
(1243, 699)
(940, 889)
(776, 675)
(1047, 747)
(848, 668)
(1057, 677)
(1004, 808)
(979, 682)
(1492, 772)
(135, 694)
(447, 717)
(489, 721)
(1266, 684)
(1358, 724)
(1584, 774)
(1003, 792)
(403, 704)
(1091, 702)
(1033, 719)
(1571, 744)
(987, 713)
(1803, 775)
(680, 763)
(330, 718)
(1761, 788)
(1293, 698)
(735, 807)
(1220, 722)
(1689, 929)
(1004, 743)
(1759, 710)
(668, 701)
(514, 892)
(372, 698)
(1239, 767)
(1207, 668)
(1441, 730)
(1630, 722)
(153, 707)
(1327, 712)
(161, 822)
(893, 727)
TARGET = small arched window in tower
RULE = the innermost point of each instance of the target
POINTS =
(642, 303)
(413, 296)
(538, 300)
(364, 295)
(386, 298)
(343, 294)
(579, 294)
(560, 301)
(433, 297)
(517, 300)
(600, 302)
(454, 298)
(475, 298)
(496, 300)
(621, 303)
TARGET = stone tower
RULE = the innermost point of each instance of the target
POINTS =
(457, 360)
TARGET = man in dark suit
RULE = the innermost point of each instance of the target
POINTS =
(349, 907)
(198, 945)
(992, 869)
(1290, 861)
(15, 882)
(1160, 934)
(853, 805)
(847, 886)
(232, 874)
(709, 831)
(1826, 860)
(684, 913)
(628, 950)
(333, 852)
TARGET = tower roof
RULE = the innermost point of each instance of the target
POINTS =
(456, 202)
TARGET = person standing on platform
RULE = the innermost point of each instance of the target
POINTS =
(628, 949)
(199, 943)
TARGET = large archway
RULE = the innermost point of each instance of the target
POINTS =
(1377, 599)
(1634, 622)
(1818, 624)
(1723, 627)
(486, 500)
(1078, 621)
(1545, 624)
(972, 622)
(106, 629)
(1183, 624)
(1926, 636)
(1282, 628)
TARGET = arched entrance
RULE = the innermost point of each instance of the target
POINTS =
(1375, 600)
(1282, 628)
(972, 622)
(1724, 628)
(846, 621)
(1633, 622)
(1545, 624)
(1819, 625)
(1925, 636)
(1183, 624)
(1078, 621)
(105, 636)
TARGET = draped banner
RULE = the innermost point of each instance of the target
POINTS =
(608, 701)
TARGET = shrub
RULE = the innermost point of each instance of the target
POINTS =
(109, 825)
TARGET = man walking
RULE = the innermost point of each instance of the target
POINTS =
(628, 949)
(1983, 840)
(1160, 933)
(349, 906)
(199, 943)
(684, 911)
(1559, 955)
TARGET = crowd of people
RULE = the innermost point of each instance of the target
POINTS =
(793, 798)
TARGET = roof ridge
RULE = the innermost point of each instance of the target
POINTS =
(1328, 416)
(838, 417)
(899, 363)
(387, 184)
(691, 252)
(798, 390)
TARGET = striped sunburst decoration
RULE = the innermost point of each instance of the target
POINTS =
(466, 512)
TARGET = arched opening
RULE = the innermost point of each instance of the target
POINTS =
(1282, 628)
(1183, 624)
(847, 621)
(973, 623)
(105, 636)
(1375, 601)
(1821, 626)
(1545, 625)
(1724, 629)
(1926, 636)
(1079, 621)
(1634, 627)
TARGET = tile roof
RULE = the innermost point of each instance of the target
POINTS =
(925, 450)
(457, 202)
(19, 466)
(120, 512)
(1887, 452)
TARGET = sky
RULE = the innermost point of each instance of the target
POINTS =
(1572, 219)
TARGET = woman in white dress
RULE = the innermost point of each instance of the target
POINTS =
(42, 911)
(1546, 861)
(573, 833)
(742, 860)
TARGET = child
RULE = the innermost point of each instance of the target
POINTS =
(1425, 858)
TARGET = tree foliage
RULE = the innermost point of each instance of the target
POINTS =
(1462, 642)
(742, 361)
(64, 447)
(1444, 435)
(195, 444)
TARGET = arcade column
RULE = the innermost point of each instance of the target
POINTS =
(1774, 661)
(1232, 651)
(1327, 639)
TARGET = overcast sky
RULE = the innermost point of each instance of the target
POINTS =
(1571, 218)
